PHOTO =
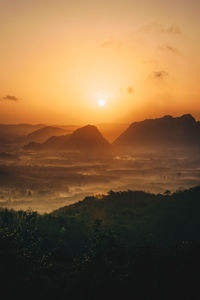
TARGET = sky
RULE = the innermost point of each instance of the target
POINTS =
(89, 61)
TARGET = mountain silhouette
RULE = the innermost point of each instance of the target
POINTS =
(42, 134)
(167, 131)
(87, 138)
(14, 132)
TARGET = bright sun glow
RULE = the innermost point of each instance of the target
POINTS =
(101, 102)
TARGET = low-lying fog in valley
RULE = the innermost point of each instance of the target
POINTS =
(50, 167)
(36, 181)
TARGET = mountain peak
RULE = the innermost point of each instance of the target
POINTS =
(188, 117)
(167, 117)
(87, 130)
(42, 134)
(85, 139)
(166, 131)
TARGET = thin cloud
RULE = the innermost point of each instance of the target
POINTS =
(110, 43)
(127, 90)
(162, 29)
(169, 48)
(10, 98)
(130, 90)
(107, 43)
(173, 29)
(159, 75)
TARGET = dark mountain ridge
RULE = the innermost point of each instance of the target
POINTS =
(12, 132)
(160, 133)
(167, 131)
(42, 134)
(87, 138)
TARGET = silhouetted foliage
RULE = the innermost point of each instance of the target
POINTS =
(122, 245)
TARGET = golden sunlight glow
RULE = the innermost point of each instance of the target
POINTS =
(101, 102)
(107, 61)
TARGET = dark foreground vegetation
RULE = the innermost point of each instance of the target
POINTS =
(124, 245)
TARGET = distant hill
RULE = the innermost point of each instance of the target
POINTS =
(12, 132)
(87, 138)
(42, 134)
(167, 131)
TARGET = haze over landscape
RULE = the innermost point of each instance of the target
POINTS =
(46, 168)
(99, 149)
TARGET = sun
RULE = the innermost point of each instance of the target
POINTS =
(101, 102)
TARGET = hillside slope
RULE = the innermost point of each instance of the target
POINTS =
(167, 131)
(87, 138)
(42, 134)
(123, 245)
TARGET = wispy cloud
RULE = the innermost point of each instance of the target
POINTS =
(173, 29)
(127, 90)
(110, 43)
(169, 48)
(130, 89)
(10, 98)
(159, 75)
(162, 29)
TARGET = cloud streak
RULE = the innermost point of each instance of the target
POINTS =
(169, 48)
(110, 43)
(162, 29)
(130, 90)
(159, 75)
(10, 98)
(127, 90)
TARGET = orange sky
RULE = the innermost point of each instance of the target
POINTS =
(59, 58)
